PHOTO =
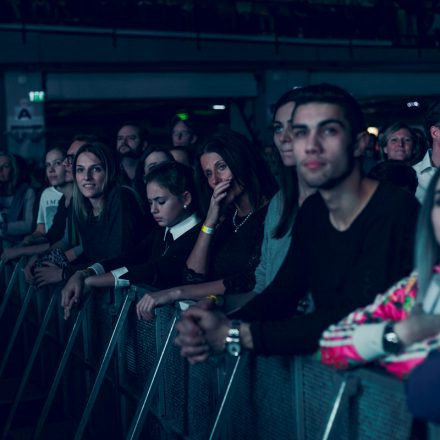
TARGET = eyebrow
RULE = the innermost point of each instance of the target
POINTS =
(322, 123)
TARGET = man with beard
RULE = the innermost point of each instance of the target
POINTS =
(131, 141)
(351, 240)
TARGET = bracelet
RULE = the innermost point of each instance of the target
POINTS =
(212, 298)
(89, 272)
(208, 230)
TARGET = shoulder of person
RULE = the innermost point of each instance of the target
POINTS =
(394, 197)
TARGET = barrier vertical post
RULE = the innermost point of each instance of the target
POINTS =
(16, 328)
(104, 364)
(9, 289)
(227, 396)
(298, 366)
(346, 389)
(30, 364)
(148, 393)
(65, 357)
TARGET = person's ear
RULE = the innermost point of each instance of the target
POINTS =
(361, 144)
(435, 132)
(145, 145)
(194, 139)
(186, 199)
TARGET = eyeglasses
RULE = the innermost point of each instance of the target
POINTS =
(69, 158)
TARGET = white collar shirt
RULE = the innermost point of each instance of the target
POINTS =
(425, 170)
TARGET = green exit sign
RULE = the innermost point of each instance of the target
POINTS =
(36, 96)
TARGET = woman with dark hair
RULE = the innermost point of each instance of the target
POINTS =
(235, 186)
(285, 203)
(158, 261)
(17, 198)
(399, 142)
(151, 157)
(402, 326)
(108, 218)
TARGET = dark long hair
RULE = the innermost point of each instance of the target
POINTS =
(288, 180)
(247, 165)
(81, 204)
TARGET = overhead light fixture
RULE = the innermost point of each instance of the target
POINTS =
(218, 107)
(373, 130)
(413, 104)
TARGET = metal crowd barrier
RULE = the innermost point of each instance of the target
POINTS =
(113, 375)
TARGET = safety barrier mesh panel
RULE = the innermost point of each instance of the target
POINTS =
(173, 395)
(202, 396)
(381, 411)
(263, 404)
(320, 385)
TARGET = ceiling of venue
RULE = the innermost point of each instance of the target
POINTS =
(402, 22)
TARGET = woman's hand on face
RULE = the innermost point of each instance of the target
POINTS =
(145, 307)
(48, 273)
(217, 203)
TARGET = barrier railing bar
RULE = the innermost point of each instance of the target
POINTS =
(64, 359)
(151, 385)
(298, 366)
(9, 289)
(30, 363)
(16, 328)
(105, 363)
(227, 396)
(347, 388)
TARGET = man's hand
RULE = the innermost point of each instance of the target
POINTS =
(417, 327)
(72, 291)
(48, 273)
(201, 332)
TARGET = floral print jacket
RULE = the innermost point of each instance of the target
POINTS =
(340, 347)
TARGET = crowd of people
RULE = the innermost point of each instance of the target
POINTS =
(331, 259)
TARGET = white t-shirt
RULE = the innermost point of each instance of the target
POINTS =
(48, 206)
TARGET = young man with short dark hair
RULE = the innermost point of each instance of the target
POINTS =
(352, 239)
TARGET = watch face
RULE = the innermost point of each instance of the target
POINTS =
(234, 348)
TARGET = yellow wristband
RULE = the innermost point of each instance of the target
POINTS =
(212, 298)
(207, 230)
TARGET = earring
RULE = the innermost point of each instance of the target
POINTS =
(185, 206)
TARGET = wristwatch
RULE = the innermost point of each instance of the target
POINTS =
(390, 341)
(233, 345)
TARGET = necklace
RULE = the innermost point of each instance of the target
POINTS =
(234, 217)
